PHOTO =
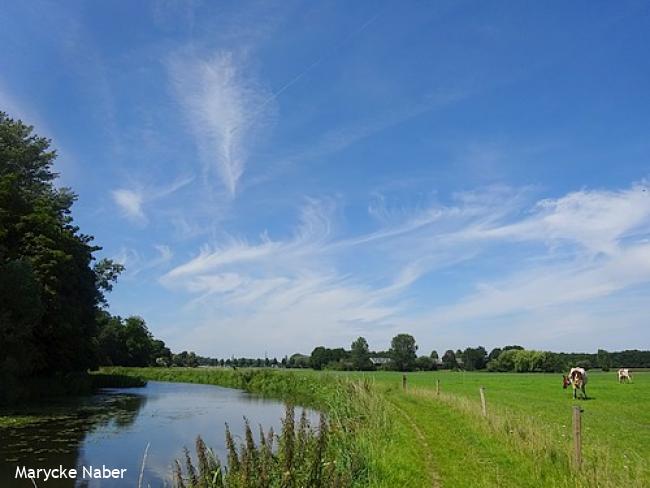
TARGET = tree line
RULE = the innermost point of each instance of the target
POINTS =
(53, 316)
(402, 356)
(51, 286)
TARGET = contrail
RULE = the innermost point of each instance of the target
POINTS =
(300, 75)
(319, 60)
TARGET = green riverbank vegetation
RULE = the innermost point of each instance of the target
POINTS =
(297, 456)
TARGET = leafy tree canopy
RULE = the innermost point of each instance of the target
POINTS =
(403, 351)
(48, 320)
(449, 360)
(360, 354)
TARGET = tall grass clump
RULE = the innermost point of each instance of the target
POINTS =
(299, 456)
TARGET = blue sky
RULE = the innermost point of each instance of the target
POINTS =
(280, 175)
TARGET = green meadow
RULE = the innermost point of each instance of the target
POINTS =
(418, 437)
(529, 427)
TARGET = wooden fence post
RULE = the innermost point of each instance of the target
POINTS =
(483, 404)
(404, 382)
(437, 387)
(577, 437)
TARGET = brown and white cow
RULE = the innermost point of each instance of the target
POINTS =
(624, 375)
(577, 378)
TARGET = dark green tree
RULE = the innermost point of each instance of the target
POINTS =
(180, 359)
(474, 358)
(112, 341)
(494, 353)
(360, 355)
(192, 360)
(424, 363)
(160, 354)
(403, 352)
(52, 314)
(139, 341)
(298, 360)
(319, 358)
(129, 343)
(21, 312)
(449, 360)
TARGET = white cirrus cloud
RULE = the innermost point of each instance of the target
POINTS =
(595, 220)
(136, 263)
(225, 108)
(130, 202)
(553, 259)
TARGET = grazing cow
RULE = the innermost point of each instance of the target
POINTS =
(577, 378)
(624, 375)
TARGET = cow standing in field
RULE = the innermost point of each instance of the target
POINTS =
(577, 378)
(624, 375)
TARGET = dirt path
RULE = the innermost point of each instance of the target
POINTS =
(433, 474)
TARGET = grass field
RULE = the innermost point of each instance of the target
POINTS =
(527, 435)
(443, 440)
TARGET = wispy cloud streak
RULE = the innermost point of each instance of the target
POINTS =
(565, 252)
(132, 201)
(225, 109)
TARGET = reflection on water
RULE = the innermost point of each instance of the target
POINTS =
(113, 429)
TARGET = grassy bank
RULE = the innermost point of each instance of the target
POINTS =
(424, 439)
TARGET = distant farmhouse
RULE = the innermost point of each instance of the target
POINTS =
(380, 361)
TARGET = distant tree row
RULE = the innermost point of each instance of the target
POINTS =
(632, 358)
(402, 356)
(244, 362)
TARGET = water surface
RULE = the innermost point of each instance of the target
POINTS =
(114, 427)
